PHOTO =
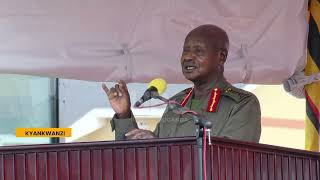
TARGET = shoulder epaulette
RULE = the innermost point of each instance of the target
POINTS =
(235, 93)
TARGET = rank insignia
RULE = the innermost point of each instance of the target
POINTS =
(214, 100)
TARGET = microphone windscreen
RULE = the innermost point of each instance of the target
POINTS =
(160, 84)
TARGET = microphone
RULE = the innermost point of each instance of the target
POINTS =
(156, 87)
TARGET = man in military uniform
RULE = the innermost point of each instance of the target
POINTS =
(234, 113)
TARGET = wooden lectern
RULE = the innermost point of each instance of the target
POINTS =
(160, 159)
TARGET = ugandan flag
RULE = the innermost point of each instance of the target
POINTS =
(312, 127)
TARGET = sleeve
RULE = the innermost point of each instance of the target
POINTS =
(157, 129)
(244, 122)
(122, 126)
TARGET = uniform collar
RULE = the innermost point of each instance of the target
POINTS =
(206, 99)
(222, 84)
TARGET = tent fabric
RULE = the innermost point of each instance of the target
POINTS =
(138, 40)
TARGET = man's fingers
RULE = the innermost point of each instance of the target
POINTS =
(112, 93)
(132, 132)
(143, 135)
(123, 86)
(119, 91)
(139, 135)
(105, 88)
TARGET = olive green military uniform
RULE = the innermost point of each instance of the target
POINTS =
(237, 116)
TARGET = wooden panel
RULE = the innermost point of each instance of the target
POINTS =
(194, 162)
(42, 166)
(306, 169)
(313, 170)
(215, 162)
(186, 166)
(278, 167)
(257, 166)
(9, 166)
(250, 165)
(63, 165)
(96, 165)
(31, 166)
(108, 168)
(141, 160)
(153, 163)
(299, 167)
(271, 166)
(1, 167)
(243, 165)
(175, 165)
(130, 165)
(119, 163)
(292, 168)
(264, 167)
(236, 164)
(163, 161)
(74, 165)
(20, 169)
(222, 157)
(85, 168)
(208, 162)
(285, 168)
(229, 163)
(53, 166)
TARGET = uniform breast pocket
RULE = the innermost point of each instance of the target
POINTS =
(168, 125)
(216, 118)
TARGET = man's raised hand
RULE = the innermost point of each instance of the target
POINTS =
(119, 99)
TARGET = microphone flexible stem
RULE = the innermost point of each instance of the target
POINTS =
(162, 99)
(174, 105)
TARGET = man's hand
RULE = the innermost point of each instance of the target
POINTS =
(119, 99)
(140, 134)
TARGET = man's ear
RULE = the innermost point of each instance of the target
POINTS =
(223, 55)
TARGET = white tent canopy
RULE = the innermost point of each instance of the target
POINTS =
(137, 40)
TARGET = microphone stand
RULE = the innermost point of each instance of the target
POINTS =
(201, 123)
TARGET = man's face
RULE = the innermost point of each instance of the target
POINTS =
(199, 61)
